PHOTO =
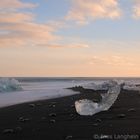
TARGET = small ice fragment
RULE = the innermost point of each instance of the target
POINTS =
(131, 110)
(88, 107)
(52, 114)
(18, 129)
(121, 115)
(7, 131)
(68, 137)
(32, 105)
(52, 121)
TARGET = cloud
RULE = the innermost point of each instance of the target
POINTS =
(74, 45)
(14, 17)
(15, 4)
(19, 28)
(136, 9)
(84, 10)
(112, 60)
(25, 33)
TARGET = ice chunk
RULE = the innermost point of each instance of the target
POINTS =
(111, 96)
(131, 87)
(88, 107)
(101, 86)
(9, 84)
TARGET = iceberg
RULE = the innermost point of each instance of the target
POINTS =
(88, 107)
(9, 84)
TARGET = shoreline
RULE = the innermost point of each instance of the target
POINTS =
(76, 90)
(56, 119)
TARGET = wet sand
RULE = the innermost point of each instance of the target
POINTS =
(56, 119)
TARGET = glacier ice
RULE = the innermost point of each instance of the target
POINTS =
(130, 87)
(101, 86)
(88, 107)
(9, 84)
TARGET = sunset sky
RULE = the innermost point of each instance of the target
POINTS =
(94, 38)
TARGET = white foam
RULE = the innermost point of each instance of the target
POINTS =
(32, 91)
(27, 96)
(88, 107)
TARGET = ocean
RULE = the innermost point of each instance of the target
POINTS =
(38, 88)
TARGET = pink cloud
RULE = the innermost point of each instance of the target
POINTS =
(14, 17)
(84, 10)
(136, 9)
(26, 33)
(15, 4)
(18, 28)
(74, 45)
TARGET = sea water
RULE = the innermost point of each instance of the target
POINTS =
(47, 88)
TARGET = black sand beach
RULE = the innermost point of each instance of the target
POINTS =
(56, 119)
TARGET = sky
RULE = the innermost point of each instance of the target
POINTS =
(70, 38)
